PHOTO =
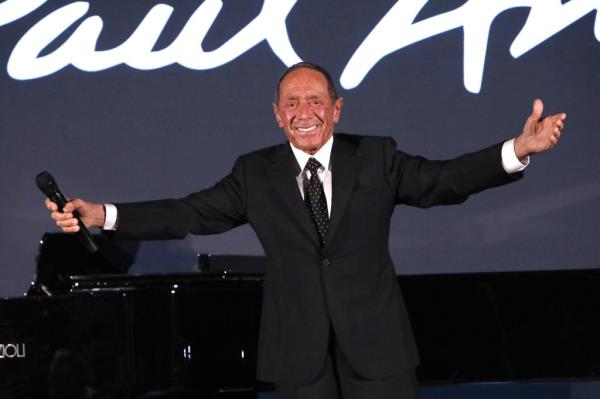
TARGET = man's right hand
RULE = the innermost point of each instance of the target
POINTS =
(92, 215)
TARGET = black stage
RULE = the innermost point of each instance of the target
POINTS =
(195, 335)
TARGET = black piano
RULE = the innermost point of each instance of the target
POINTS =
(107, 334)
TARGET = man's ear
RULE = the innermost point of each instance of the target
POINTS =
(337, 110)
(277, 118)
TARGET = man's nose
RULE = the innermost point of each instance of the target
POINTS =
(303, 111)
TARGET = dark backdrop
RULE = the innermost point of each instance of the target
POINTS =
(124, 134)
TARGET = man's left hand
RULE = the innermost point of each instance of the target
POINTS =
(539, 133)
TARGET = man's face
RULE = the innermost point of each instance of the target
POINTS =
(305, 111)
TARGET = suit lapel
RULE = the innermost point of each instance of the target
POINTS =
(283, 172)
(345, 164)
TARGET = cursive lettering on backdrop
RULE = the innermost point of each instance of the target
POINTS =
(395, 31)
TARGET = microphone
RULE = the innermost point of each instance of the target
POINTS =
(47, 184)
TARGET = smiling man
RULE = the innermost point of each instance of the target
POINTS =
(307, 107)
(333, 323)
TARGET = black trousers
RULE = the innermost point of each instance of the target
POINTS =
(337, 380)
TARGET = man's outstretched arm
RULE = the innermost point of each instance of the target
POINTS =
(210, 211)
(423, 183)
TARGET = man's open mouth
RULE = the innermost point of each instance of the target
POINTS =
(306, 129)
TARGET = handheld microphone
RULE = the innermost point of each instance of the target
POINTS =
(47, 184)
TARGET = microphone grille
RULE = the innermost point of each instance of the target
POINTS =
(46, 183)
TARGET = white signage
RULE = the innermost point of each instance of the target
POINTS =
(395, 31)
(10, 351)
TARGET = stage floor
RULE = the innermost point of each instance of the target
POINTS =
(504, 390)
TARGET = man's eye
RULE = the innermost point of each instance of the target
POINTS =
(291, 105)
(316, 102)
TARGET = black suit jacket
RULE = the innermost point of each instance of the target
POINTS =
(349, 285)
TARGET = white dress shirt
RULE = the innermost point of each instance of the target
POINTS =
(324, 172)
(510, 163)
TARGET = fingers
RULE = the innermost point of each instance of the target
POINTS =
(66, 221)
(60, 216)
(63, 219)
(69, 207)
(538, 109)
(557, 122)
(73, 229)
(555, 126)
(50, 205)
(541, 133)
(73, 205)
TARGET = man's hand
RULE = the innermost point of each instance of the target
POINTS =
(92, 215)
(539, 133)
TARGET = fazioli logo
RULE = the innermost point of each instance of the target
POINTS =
(9, 351)
(396, 30)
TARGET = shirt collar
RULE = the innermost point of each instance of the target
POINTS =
(323, 155)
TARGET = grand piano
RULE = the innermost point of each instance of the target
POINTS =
(87, 329)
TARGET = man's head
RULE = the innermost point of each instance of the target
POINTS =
(307, 106)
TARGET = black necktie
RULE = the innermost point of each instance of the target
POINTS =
(315, 200)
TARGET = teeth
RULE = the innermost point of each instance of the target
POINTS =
(307, 129)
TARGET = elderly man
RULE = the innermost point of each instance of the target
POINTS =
(334, 324)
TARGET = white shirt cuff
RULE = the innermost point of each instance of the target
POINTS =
(510, 162)
(110, 218)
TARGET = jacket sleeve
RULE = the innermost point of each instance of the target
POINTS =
(210, 211)
(423, 183)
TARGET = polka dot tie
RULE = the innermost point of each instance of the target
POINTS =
(315, 200)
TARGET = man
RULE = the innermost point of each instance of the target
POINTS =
(333, 322)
